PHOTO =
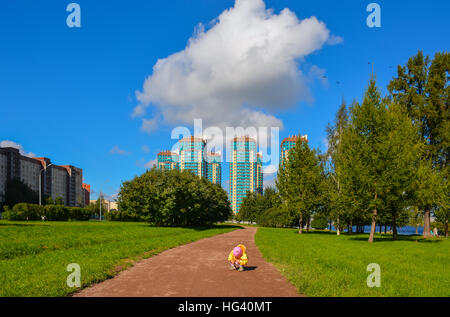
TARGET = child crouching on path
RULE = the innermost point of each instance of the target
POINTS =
(238, 258)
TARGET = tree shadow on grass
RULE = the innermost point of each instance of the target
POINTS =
(202, 228)
(388, 238)
(317, 232)
(23, 224)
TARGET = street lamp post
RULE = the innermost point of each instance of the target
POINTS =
(101, 202)
(40, 175)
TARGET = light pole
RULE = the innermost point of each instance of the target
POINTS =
(40, 175)
(101, 202)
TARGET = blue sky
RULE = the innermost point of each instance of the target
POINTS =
(68, 93)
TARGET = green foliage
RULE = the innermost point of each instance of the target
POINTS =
(34, 212)
(254, 204)
(95, 207)
(319, 222)
(423, 89)
(301, 181)
(380, 155)
(277, 217)
(173, 198)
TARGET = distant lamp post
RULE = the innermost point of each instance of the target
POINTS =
(40, 176)
(101, 202)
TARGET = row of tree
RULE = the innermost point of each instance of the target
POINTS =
(386, 161)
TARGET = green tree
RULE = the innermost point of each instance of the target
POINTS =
(423, 89)
(339, 208)
(380, 151)
(173, 198)
(300, 181)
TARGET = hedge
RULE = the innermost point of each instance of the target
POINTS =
(35, 212)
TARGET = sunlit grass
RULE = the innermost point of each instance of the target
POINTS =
(323, 264)
(34, 255)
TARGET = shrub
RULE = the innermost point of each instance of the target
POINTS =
(172, 198)
(78, 213)
(275, 217)
(319, 222)
(33, 212)
(56, 213)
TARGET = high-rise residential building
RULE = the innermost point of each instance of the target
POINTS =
(244, 167)
(287, 144)
(192, 155)
(214, 167)
(87, 194)
(168, 160)
(56, 181)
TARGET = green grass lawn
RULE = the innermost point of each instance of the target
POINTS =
(34, 255)
(323, 264)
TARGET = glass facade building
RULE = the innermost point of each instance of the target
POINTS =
(214, 168)
(192, 155)
(287, 144)
(245, 170)
(168, 160)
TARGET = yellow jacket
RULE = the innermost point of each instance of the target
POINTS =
(243, 260)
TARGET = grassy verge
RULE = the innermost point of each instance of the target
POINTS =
(34, 255)
(323, 264)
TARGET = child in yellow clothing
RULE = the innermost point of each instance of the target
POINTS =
(238, 258)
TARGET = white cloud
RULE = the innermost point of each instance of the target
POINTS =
(245, 66)
(119, 151)
(149, 125)
(145, 148)
(150, 163)
(12, 144)
(269, 180)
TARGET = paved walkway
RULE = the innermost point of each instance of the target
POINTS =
(199, 269)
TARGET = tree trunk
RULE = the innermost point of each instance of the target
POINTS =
(394, 228)
(385, 228)
(446, 227)
(350, 227)
(308, 224)
(417, 229)
(380, 228)
(374, 224)
(300, 225)
(338, 232)
(426, 224)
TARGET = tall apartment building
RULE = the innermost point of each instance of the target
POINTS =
(56, 181)
(287, 144)
(214, 167)
(168, 160)
(86, 194)
(245, 170)
(192, 155)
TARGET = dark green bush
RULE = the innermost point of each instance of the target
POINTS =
(56, 213)
(172, 198)
(34, 212)
(319, 222)
(275, 217)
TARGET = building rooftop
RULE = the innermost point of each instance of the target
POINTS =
(295, 138)
(192, 139)
(244, 138)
